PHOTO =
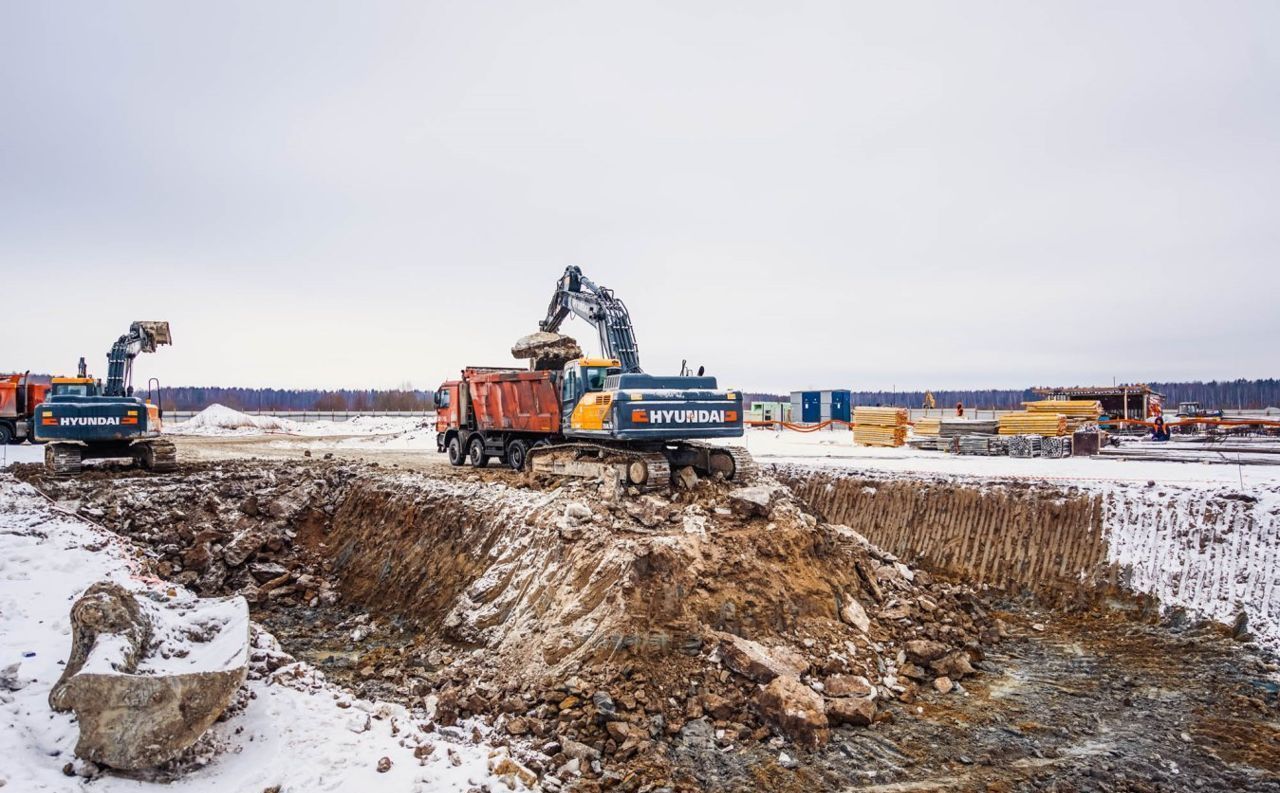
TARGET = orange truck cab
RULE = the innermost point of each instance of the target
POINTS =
(19, 397)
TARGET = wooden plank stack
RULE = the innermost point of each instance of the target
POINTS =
(879, 426)
(1079, 412)
(927, 426)
(1027, 422)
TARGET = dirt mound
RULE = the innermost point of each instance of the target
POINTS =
(600, 628)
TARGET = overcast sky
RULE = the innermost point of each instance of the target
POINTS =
(867, 195)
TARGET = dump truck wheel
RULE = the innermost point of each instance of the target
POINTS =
(517, 454)
(475, 453)
(455, 451)
(6, 435)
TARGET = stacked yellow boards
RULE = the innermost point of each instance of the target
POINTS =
(1029, 422)
(880, 426)
(927, 426)
(1078, 411)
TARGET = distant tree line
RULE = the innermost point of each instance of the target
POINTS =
(255, 399)
(1226, 394)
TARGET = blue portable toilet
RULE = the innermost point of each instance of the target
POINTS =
(811, 407)
(840, 405)
(806, 406)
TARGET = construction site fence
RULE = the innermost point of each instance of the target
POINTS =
(833, 424)
(175, 416)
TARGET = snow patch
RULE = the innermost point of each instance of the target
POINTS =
(291, 733)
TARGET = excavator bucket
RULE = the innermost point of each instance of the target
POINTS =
(546, 350)
(154, 334)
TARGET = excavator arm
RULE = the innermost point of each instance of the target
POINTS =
(142, 337)
(597, 305)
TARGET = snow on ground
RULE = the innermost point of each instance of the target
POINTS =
(1212, 551)
(836, 449)
(292, 733)
(222, 421)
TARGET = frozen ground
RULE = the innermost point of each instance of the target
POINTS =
(296, 731)
(836, 449)
(221, 421)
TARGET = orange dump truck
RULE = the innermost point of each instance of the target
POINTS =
(497, 412)
(19, 396)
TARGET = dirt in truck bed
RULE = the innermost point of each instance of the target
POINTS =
(716, 638)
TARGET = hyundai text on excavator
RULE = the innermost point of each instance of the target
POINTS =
(84, 419)
(600, 417)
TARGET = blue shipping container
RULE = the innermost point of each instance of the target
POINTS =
(840, 405)
(810, 407)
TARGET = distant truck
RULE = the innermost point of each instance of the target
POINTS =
(19, 397)
(1194, 410)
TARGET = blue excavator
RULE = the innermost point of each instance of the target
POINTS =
(615, 416)
(84, 419)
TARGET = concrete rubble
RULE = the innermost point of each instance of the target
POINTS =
(147, 675)
(546, 350)
(622, 625)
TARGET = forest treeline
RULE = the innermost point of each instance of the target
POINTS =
(1225, 394)
(260, 399)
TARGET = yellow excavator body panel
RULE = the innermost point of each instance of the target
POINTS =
(591, 411)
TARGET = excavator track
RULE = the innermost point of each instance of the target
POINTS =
(744, 465)
(647, 471)
(64, 459)
(160, 456)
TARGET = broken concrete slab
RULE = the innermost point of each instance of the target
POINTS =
(753, 501)
(795, 710)
(759, 663)
(148, 674)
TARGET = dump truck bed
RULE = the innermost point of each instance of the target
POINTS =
(515, 400)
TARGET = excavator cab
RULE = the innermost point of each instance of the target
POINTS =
(584, 402)
(74, 387)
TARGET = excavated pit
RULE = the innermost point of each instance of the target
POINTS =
(597, 632)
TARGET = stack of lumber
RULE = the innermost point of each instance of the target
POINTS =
(1079, 412)
(1025, 446)
(927, 426)
(879, 426)
(1026, 422)
(951, 428)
